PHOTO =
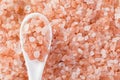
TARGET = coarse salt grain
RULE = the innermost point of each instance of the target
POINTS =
(92, 53)
(89, 1)
(87, 28)
(80, 51)
(78, 71)
(36, 54)
(99, 3)
(86, 45)
(79, 10)
(58, 78)
(38, 29)
(109, 63)
(93, 35)
(117, 13)
(107, 27)
(67, 68)
(32, 39)
(107, 9)
(80, 37)
(74, 23)
(73, 76)
(103, 52)
(15, 62)
(64, 76)
(86, 38)
(115, 61)
(115, 39)
(1, 12)
(98, 59)
(82, 77)
(105, 13)
(28, 8)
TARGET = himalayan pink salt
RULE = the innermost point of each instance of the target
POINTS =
(87, 28)
(28, 8)
(41, 39)
(36, 54)
(103, 52)
(31, 39)
(69, 38)
(92, 53)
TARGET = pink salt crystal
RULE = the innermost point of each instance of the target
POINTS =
(1, 12)
(73, 76)
(28, 8)
(58, 78)
(32, 39)
(64, 76)
(36, 54)
(61, 65)
(62, 71)
(115, 39)
(82, 77)
(117, 13)
(66, 68)
(86, 38)
(80, 51)
(92, 53)
(80, 37)
(86, 45)
(93, 34)
(98, 59)
(38, 29)
(103, 52)
(40, 39)
(109, 63)
(89, 1)
(87, 28)
(65, 57)
(115, 61)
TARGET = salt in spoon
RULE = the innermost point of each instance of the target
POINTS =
(35, 67)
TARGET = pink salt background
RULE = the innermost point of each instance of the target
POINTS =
(85, 45)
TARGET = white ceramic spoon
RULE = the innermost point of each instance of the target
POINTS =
(34, 67)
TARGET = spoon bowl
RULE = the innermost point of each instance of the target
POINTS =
(35, 64)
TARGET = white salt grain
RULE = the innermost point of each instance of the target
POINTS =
(107, 27)
(32, 39)
(82, 77)
(80, 51)
(91, 53)
(36, 54)
(98, 59)
(86, 37)
(117, 13)
(109, 63)
(115, 39)
(28, 8)
(115, 61)
(80, 37)
(87, 28)
(103, 52)
(93, 34)
(89, 1)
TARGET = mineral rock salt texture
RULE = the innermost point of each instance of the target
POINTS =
(85, 45)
